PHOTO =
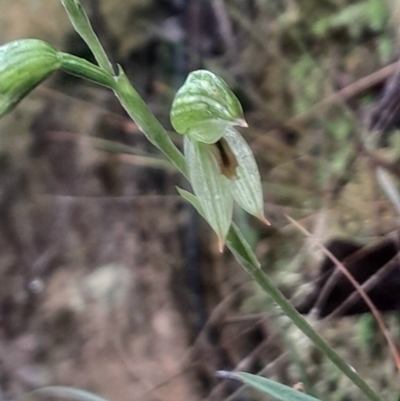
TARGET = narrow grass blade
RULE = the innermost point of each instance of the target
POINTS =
(66, 392)
(267, 386)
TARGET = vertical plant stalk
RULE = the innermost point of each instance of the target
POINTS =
(252, 267)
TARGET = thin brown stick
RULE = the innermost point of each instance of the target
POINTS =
(349, 91)
(366, 286)
(358, 288)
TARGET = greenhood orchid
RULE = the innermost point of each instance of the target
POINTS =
(220, 163)
(25, 63)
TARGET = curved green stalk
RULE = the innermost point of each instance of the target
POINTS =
(84, 69)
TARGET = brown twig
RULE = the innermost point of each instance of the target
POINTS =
(357, 287)
(349, 91)
(366, 286)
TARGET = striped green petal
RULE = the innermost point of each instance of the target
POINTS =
(246, 188)
(210, 187)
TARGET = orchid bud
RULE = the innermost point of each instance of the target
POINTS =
(24, 64)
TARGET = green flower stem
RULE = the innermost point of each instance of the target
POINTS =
(235, 242)
(82, 25)
(266, 284)
(84, 69)
(147, 123)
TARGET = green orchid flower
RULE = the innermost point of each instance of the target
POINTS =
(221, 165)
(25, 63)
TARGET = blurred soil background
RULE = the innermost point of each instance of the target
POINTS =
(108, 280)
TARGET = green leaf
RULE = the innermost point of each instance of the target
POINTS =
(24, 64)
(66, 392)
(82, 25)
(191, 199)
(204, 97)
(212, 189)
(270, 387)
